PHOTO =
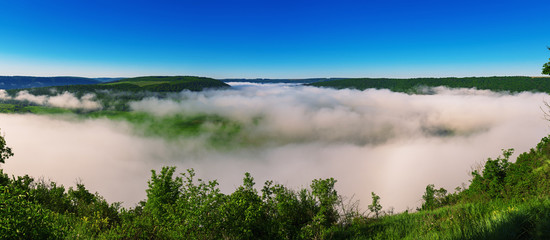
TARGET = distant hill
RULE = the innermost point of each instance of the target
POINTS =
(157, 84)
(166, 83)
(108, 79)
(511, 84)
(15, 82)
(279, 80)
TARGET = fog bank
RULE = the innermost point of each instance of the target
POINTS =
(374, 140)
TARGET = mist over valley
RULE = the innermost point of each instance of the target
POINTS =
(369, 140)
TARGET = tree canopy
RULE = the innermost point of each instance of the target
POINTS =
(546, 67)
(5, 151)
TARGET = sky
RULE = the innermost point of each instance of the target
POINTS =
(273, 39)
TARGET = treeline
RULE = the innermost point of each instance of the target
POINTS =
(415, 85)
(15, 82)
(138, 84)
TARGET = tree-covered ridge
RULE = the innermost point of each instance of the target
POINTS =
(414, 85)
(166, 83)
(17, 82)
(159, 84)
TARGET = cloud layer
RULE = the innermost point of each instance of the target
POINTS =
(375, 140)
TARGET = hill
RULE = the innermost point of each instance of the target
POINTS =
(166, 83)
(414, 85)
(15, 82)
(279, 80)
(141, 84)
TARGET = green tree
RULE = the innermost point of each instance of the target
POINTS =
(375, 206)
(243, 213)
(546, 67)
(434, 198)
(491, 182)
(323, 190)
(5, 151)
(163, 192)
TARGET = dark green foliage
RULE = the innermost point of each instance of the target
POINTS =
(528, 177)
(243, 212)
(182, 208)
(491, 182)
(20, 218)
(140, 84)
(546, 67)
(415, 85)
(434, 198)
(327, 197)
(5, 151)
(163, 192)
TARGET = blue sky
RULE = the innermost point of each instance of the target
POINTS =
(273, 39)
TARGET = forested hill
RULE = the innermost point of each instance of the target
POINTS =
(414, 85)
(15, 82)
(139, 84)
(166, 83)
(279, 80)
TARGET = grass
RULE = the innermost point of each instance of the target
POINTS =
(46, 110)
(15, 108)
(497, 219)
(7, 108)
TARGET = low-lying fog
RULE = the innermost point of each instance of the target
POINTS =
(379, 141)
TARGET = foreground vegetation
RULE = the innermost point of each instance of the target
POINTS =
(505, 200)
(418, 85)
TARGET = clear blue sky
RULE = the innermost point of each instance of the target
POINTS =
(274, 38)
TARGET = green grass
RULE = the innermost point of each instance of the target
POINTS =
(46, 110)
(489, 220)
(7, 108)
(18, 108)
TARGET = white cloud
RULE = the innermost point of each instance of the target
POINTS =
(4, 95)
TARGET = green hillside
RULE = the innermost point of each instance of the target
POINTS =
(414, 85)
